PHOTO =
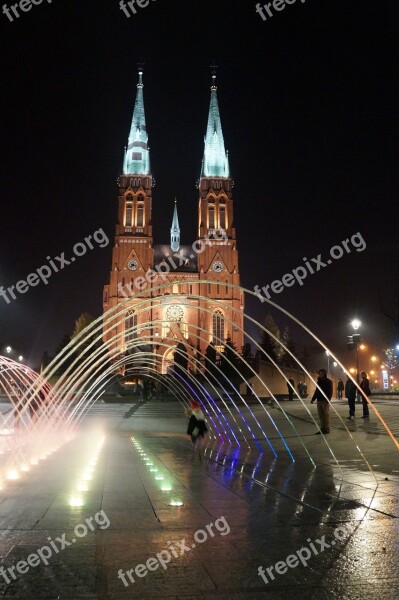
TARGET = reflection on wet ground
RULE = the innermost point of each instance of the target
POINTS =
(157, 492)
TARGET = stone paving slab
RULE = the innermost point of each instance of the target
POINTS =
(272, 508)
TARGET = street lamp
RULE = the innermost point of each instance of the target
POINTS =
(8, 349)
(20, 358)
(354, 341)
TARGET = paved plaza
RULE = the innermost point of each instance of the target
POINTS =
(128, 488)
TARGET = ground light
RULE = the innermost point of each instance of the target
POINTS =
(159, 478)
(176, 503)
(166, 488)
(82, 487)
(76, 501)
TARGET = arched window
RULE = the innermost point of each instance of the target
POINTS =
(222, 217)
(130, 326)
(140, 215)
(218, 328)
(129, 211)
(211, 217)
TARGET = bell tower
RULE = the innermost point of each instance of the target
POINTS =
(218, 264)
(133, 252)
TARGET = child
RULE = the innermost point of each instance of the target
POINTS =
(196, 426)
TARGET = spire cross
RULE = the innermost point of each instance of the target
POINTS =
(140, 66)
(214, 68)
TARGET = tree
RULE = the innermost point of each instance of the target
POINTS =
(392, 311)
(229, 359)
(246, 352)
(391, 360)
(286, 359)
(180, 360)
(234, 366)
(81, 323)
(210, 361)
(66, 362)
(305, 358)
(268, 343)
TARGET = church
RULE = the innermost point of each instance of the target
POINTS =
(192, 296)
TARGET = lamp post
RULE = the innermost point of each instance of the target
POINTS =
(328, 363)
(355, 340)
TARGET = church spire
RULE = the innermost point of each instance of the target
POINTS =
(216, 161)
(175, 231)
(137, 155)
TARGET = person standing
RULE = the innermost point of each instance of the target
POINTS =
(196, 426)
(291, 388)
(350, 393)
(340, 389)
(365, 387)
(323, 395)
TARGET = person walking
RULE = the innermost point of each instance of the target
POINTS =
(350, 393)
(291, 388)
(365, 387)
(196, 426)
(323, 395)
(340, 389)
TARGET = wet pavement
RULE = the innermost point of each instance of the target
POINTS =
(237, 523)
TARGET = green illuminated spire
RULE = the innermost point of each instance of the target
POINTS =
(175, 231)
(216, 160)
(137, 155)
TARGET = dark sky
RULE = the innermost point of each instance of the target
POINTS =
(309, 111)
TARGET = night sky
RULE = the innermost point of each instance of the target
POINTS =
(309, 109)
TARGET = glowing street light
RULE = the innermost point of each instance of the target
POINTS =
(328, 363)
(8, 349)
(354, 341)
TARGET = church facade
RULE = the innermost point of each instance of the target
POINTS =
(176, 294)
